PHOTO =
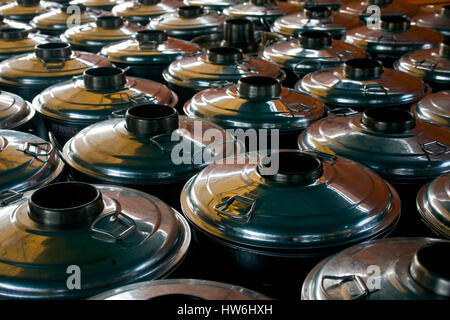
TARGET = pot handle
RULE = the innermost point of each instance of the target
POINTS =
(9, 196)
(241, 216)
(442, 148)
(113, 217)
(359, 282)
(343, 112)
(34, 149)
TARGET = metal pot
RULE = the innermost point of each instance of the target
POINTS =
(17, 41)
(101, 93)
(332, 4)
(434, 108)
(106, 5)
(141, 11)
(6, 23)
(393, 38)
(24, 10)
(217, 68)
(406, 151)
(312, 51)
(431, 65)
(407, 269)
(257, 103)
(215, 5)
(363, 84)
(56, 21)
(188, 289)
(27, 75)
(188, 22)
(433, 203)
(92, 37)
(387, 7)
(27, 162)
(65, 227)
(262, 12)
(316, 19)
(148, 53)
(439, 21)
(269, 227)
(137, 150)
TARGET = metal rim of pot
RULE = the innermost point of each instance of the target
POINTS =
(14, 111)
(439, 21)
(388, 7)
(14, 41)
(434, 108)
(260, 8)
(24, 10)
(143, 10)
(106, 5)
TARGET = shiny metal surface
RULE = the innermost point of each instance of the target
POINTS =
(433, 203)
(14, 111)
(133, 235)
(332, 4)
(255, 10)
(349, 275)
(217, 5)
(388, 7)
(106, 5)
(408, 155)
(7, 23)
(18, 41)
(198, 289)
(434, 108)
(284, 214)
(139, 11)
(439, 21)
(17, 10)
(26, 162)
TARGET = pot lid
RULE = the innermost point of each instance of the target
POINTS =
(105, 30)
(406, 269)
(178, 289)
(213, 4)
(24, 9)
(51, 62)
(98, 4)
(6, 23)
(433, 203)
(395, 34)
(145, 148)
(217, 68)
(256, 102)
(439, 21)
(332, 4)
(90, 228)
(18, 41)
(434, 108)
(146, 8)
(387, 7)
(312, 51)
(260, 8)
(431, 65)
(188, 21)
(363, 83)
(149, 47)
(388, 140)
(14, 111)
(286, 211)
(26, 162)
(315, 19)
(56, 20)
(100, 94)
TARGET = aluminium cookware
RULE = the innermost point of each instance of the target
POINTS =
(7, 23)
(388, 269)
(439, 21)
(15, 42)
(140, 11)
(386, 7)
(24, 10)
(434, 108)
(106, 5)
(216, 5)
(105, 235)
(332, 4)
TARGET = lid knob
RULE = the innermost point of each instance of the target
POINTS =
(190, 12)
(1, 18)
(224, 55)
(53, 50)
(431, 269)
(380, 3)
(149, 2)
(317, 12)
(66, 6)
(363, 68)
(109, 22)
(261, 2)
(388, 120)
(13, 34)
(294, 167)
(315, 40)
(444, 48)
(153, 36)
(28, 3)
(238, 33)
(258, 87)
(151, 119)
(395, 23)
(104, 78)
(445, 11)
(65, 204)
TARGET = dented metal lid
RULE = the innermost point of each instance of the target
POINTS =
(71, 227)
(434, 108)
(14, 42)
(439, 21)
(140, 11)
(387, 7)
(14, 111)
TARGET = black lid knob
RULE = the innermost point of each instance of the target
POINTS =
(149, 2)
(28, 3)
(13, 34)
(154, 36)
(65, 204)
(65, 7)
(388, 120)
(151, 119)
(380, 3)
(363, 68)
(1, 17)
(445, 11)
(238, 33)
(224, 55)
(190, 12)
(395, 23)
(317, 12)
(262, 2)
(104, 79)
(53, 50)
(315, 39)
(444, 48)
(258, 87)
(109, 22)
(291, 167)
